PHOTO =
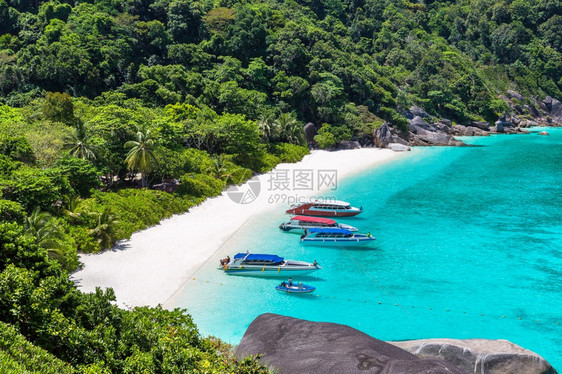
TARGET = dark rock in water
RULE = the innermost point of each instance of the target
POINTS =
(423, 133)
(309, 132)
(480, 355)
(459, 130)
(348, 144)
(482, 125)
(297, 346)
(475, 131)
(544, 133)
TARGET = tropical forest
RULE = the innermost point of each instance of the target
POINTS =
(117, 114)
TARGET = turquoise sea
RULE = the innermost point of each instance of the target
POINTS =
(469, 245)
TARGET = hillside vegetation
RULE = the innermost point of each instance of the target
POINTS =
(117, 114)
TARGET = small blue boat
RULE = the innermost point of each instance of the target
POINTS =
(295, 288)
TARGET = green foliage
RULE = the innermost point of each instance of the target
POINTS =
(200, 185)
(136, 209)
(329, 135)
(81, 174)
(11, 211)
(58, 107)
(18, 355)
(289, 152)
(36, 187)
(17, 148)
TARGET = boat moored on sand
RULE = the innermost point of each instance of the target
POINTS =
(268, 266)
(335, 237)
(301, 223)
(329, 208)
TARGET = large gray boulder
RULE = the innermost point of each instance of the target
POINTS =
(515, 95)
(426, 134)
(482, 125)
(297, 346)
(480, 355)
(384, 135)
(416, 111)
(309, 132)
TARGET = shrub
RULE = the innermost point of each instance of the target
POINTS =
(289, 152)
(11, 211)
(17, 148)
(200, 185)
(82, 174)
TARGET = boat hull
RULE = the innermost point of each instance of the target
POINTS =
(295, 289)
(331, 242)
(323, 213)
(268, 272)
(300, 229)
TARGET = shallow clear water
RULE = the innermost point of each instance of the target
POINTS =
(469, 245)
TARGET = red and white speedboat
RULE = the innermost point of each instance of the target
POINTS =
(302, 223)
(332, 208)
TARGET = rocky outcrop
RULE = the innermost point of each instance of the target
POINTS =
(309, 133)
(416, 111)
(296, 346)
(480, 355)
(384, 135)
(423, 133)
(397, 147)
(554, 109)
(348, 144)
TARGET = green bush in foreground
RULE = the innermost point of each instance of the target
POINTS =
(48, 326)
(17, 355)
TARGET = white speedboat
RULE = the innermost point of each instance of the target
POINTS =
(301, 223)
(335, 238)
(268, 266)
(329, 208)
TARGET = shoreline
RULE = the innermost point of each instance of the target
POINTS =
(152, 267)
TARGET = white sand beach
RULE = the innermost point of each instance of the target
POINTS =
(154, 264)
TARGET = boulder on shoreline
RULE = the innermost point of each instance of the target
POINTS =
(480, 355)
(291, 345)
(295, 346)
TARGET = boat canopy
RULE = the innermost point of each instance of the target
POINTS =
(331, 202)
(330, 230)
(258, 257)
(314, 219)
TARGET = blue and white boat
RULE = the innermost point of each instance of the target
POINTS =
(335, 237)
(295, 288)
(268, 266)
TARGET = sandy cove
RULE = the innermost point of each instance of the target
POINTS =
(154, 264)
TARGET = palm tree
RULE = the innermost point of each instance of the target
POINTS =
(79, 143)
(223, 168)
(71, 207)
(141, 155)
(289, 129)
(105, 230)
(40, 226)
(267, 128)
